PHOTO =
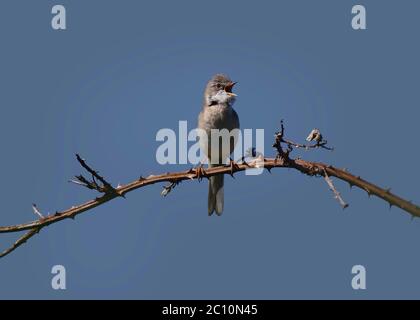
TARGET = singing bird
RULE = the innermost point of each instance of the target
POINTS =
(217, 113)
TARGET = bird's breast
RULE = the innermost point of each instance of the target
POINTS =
(219, 117)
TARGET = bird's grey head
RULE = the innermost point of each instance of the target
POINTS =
(219, 91)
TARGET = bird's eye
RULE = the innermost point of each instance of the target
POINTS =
(219, 86)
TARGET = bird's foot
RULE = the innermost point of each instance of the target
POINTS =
(200, 173)
(233, 167)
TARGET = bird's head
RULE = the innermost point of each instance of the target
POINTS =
(219, 90)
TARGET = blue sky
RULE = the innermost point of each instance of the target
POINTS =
(122, 71)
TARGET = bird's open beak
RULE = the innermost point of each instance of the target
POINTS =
(229, 87)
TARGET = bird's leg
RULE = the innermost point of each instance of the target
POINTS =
(233, 167)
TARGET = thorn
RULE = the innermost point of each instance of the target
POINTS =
(390, 206)
(388, 190)
(268, 169)
(141, 178)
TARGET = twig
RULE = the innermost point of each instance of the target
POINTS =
(106, 186)
(320, 144)
(337, 194)
(168, 188)
(36, 211)
(20, 241)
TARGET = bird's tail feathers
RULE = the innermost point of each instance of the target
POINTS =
(216, 195)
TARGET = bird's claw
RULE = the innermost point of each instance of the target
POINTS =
(199, 172)
(233, 167)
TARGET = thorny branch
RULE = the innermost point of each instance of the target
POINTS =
(283, 148)
(105, 186)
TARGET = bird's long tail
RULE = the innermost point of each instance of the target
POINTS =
(216, 194)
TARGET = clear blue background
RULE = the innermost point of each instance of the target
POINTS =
(124, 69)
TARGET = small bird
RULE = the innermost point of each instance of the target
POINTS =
(217, 113)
